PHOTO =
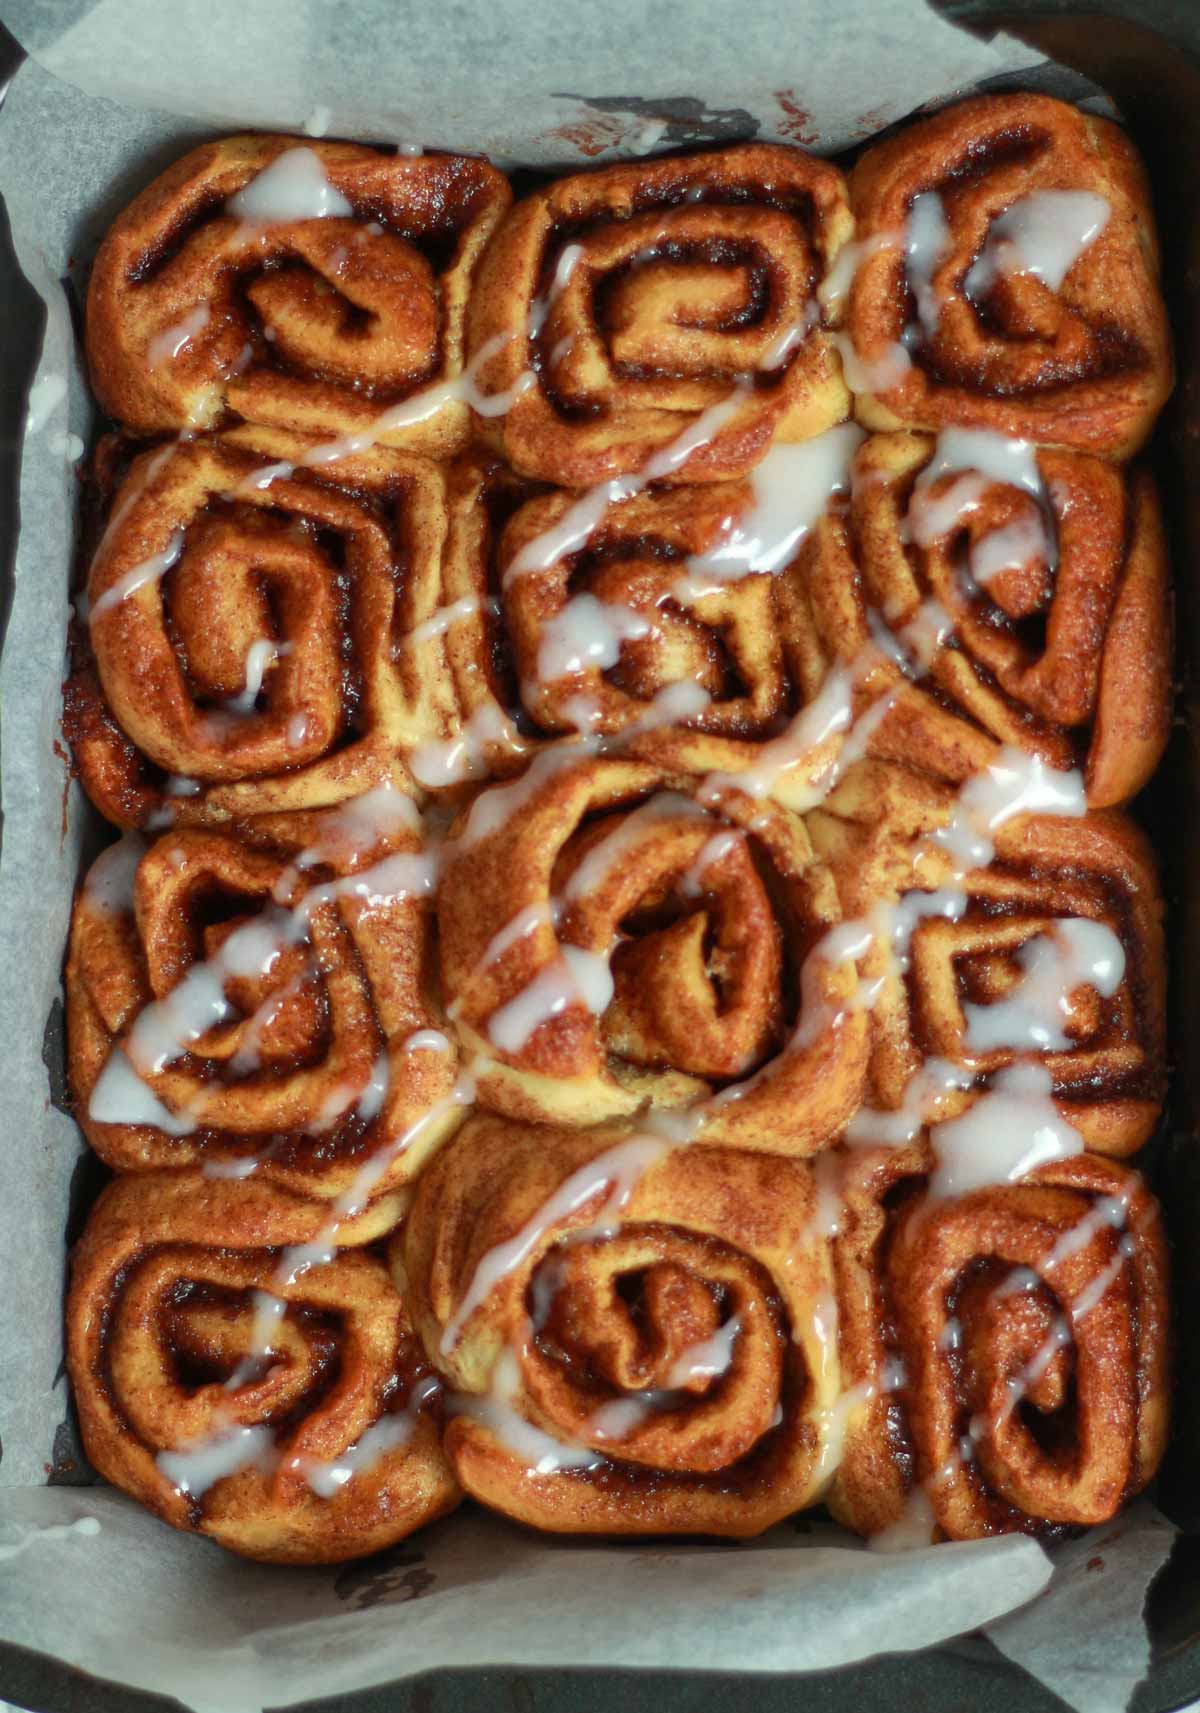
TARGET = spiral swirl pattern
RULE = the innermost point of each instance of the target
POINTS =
(1086, 365)
(252, 623)
(600, 638)
(1064, 651)
(675, 1356)
(198, 319)
(209, 1024)
(706, 923)
(166, 1366)
(876, 834)
(1030, 1321)
(640, 295)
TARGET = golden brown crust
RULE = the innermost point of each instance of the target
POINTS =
(310, 1076)
(739, 643)
(1066, 656)
(334, 565)
(315, 326)
(688, 273)
(1088, 366)
(875, 833)
(159, 1317)
(706, 955)
(1056, 1286)
(706, 1236)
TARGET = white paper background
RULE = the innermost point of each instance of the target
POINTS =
(215, 1632)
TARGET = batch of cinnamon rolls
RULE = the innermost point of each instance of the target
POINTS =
(623, 987)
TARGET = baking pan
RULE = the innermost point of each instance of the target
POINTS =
(1146, 54)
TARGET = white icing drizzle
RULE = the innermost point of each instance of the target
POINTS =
(913, 1529)
(873, 1127)
(1077, 952)
(301, 1257)
(576, 526)
(834, 289)
(609, 852)
(715, 850)
(926, 239)
(1043, 234)
(587, 634)
(443, 619)
(569, 258)
(618, 1170)
(792, 487)
(1007, 549)
(151, 570)
(985, 458)
(1014, 784)
(293, 187)
(493, 808)
(199, 1465)
(496, 1409)
(830, 712)
(109, 883)
(708, 1359)
(166, 346)
(575, 977)
(354, 826)
(1010, 1129)
(439, 763)
(872, 375)
(389, 1433)
(407, 413)
(269, 1311)
(260, 657)
(121, 1097)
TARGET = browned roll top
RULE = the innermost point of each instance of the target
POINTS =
(249, 1008)
(651, 1364)
(602, 637)
(1063, 652)
(253, 640)
(641, 295)
(198, 317)
(1030, 1324)
(876, 832)
(706, 922)
(1087, 365)
(165, 1358)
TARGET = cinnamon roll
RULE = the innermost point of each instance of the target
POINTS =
(287, 1413)
(1024, 1330)
(670, 617)
(256, 634)
(615, 309)
(1007, 278)
(264, 1008)
(605, 941)
(315, 287)
(1052, 951)
(634, 1340)
(1026, 596)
